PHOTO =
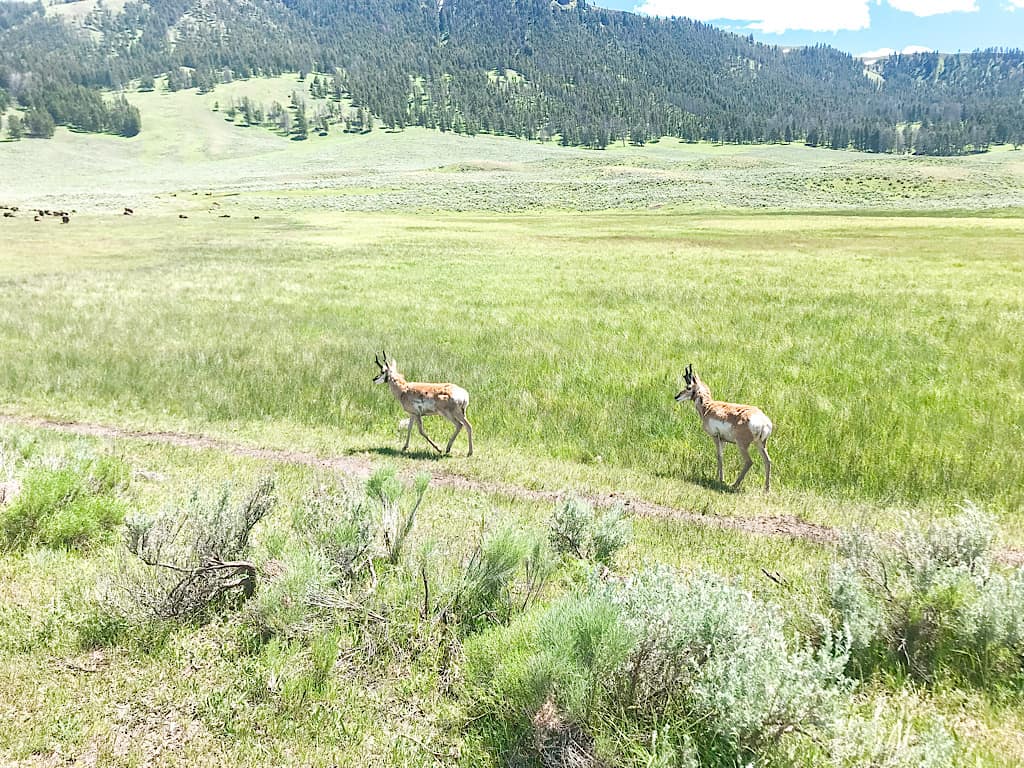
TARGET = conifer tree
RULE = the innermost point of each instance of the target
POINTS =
(14, 130)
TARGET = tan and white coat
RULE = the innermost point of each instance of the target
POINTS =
(419, 399)
(742, 425)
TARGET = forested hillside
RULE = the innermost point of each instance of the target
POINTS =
(559, 69)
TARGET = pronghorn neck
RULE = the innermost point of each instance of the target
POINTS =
(702, 400)
(398, 384)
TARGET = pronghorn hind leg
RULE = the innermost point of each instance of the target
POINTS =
(747, 464)
(458, 428)
(469, 433)
(419, 424)
(767, 467)
(718, 449)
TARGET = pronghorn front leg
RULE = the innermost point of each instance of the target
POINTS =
(718, 448)
(419, 424)
(408, 434)
(747, 464)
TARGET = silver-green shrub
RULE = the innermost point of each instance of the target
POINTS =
(898, 732)
(577, 529)
(929, 601)
(711, 648)
(198, 554)
(696, 659)
(336, 520)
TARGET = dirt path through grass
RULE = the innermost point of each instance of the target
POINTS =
(360, 466)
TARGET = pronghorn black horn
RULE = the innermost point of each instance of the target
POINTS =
(376, 359)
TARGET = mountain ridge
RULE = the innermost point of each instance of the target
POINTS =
(585, 75)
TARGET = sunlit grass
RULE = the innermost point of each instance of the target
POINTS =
(885, 349)
(883, 343)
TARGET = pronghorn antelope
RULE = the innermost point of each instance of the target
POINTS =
(419, 400)
(730, 423)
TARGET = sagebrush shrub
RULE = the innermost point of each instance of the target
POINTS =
(725, 653)
(324, 567)
(928, 601)
(198, 552)
(693, 656)
(577, 529)
(336, 520)
(898, 732)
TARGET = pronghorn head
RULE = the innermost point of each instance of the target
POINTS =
(387, 369)
(692, 384)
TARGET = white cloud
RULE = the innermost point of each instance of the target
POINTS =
(1015, 4)
(909, 49)
(935, 7)
(770, 17)
(882, 53)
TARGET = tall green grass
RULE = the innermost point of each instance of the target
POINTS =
(72, 506)
(886, 350)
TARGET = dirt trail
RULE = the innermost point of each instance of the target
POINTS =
(360, 466)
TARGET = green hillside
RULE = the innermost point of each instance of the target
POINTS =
(189, 147)
(582, 75)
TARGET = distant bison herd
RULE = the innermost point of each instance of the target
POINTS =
(11, 211)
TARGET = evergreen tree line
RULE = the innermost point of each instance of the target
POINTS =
(56, 103)
(298, 119)
(541, 69)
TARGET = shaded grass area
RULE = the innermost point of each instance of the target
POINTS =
(884, 349)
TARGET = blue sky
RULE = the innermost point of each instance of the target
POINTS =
(856, 26)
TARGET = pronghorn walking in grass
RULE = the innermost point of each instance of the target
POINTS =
(419, 400)
(742, 425)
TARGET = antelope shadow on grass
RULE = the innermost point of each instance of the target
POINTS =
(711, 483)
(410, 454)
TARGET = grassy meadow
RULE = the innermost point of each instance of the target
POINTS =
(872, 306)
(859, 336)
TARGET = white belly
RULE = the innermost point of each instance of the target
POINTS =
(721, 430)
(422, 406)
(760, 426)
